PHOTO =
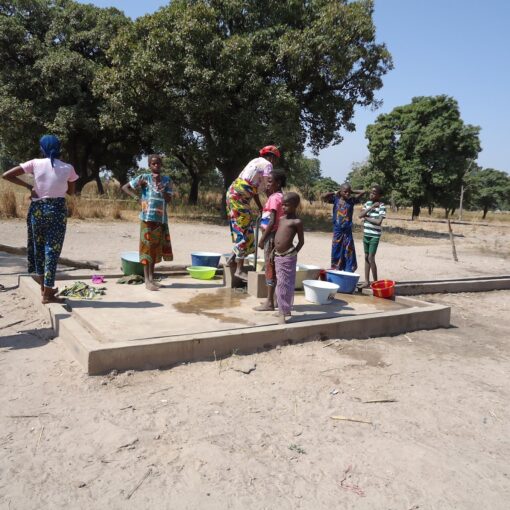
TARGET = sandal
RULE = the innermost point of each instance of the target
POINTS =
(49, 296)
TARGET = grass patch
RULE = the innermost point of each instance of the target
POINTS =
(8, 204)
(114, 205)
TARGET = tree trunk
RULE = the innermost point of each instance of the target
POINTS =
(416, 210)
(229, 175)
(485, 211)
(446, 211)
(430, 210)
(100, 188)
(193, 192)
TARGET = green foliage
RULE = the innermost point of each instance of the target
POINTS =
(325, 185)
(490, 189)
(422, 150)
(228, 77)
(51, 52)
(363, 176)
(303, 173)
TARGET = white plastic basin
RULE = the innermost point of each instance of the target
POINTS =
(317, 291)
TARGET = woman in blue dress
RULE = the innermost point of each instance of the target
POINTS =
(343, 251)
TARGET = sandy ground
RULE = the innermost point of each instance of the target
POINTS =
(204, 435)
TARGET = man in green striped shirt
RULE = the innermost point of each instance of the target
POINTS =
(373, 214)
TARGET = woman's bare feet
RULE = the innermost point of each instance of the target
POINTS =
(151, 286)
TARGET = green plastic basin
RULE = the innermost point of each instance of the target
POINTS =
(130, 261)
(201, 272)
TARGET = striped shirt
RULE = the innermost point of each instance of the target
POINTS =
(369, 229)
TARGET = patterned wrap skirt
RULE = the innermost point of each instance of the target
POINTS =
(285, 281)
(241, 217)
(343, 251)
(155, 242)
(46, 230)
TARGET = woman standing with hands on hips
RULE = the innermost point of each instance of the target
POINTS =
(47, 215)
(241, 191)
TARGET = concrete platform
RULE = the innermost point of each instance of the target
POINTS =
(133, 328)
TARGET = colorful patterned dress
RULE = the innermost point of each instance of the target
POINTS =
(155, 242)
(343, 251)
(239, 213)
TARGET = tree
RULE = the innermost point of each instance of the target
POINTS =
(325, 185)
(422, 150)
(363, 175)
(490, 189)
(50, 51)
(241, 75)
(303, 173)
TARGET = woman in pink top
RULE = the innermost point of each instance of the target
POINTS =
(239, 196)
(47, 215)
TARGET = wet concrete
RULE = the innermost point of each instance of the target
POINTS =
(226, 299)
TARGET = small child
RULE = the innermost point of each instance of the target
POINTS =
(285, 255)
(373, 214)
(343, 251)
(271, 214)
(155, 193)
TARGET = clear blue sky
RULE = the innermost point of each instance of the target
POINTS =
(455, 47)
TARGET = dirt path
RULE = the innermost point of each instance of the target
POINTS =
(204, 435)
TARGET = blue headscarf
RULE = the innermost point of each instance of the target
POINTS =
(50, 146)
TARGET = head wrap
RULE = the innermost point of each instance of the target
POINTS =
(50, 146)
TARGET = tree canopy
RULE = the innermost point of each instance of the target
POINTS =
(490, 189)
(422, 150)
(50, 53)
(230, 76)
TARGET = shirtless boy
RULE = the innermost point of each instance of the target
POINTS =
(286, 254)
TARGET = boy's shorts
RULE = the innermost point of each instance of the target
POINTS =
(370, 244)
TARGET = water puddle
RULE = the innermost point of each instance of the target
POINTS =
(223, 300)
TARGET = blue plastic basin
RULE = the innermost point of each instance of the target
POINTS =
(346, 281)
(205, 258)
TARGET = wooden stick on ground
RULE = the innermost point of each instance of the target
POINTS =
(454, 251)
(149, 471)
(62, 260)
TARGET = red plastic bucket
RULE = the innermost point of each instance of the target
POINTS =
(383, 288)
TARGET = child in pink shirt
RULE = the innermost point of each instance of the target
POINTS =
(271, 214)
